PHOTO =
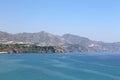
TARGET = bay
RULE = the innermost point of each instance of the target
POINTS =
(61, 66)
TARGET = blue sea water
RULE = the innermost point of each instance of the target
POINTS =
(67, 66)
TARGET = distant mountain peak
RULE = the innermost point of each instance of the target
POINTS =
(73, 35)
(43, 32)
(75, 39)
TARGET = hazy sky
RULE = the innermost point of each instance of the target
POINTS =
(95, 19)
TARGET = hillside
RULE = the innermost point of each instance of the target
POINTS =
(71, 43)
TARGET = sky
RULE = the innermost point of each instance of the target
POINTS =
(96, 19)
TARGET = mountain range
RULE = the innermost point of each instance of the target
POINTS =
(69, 42)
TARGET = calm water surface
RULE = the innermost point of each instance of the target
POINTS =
(67, 66)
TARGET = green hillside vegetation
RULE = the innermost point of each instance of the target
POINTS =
(28, 48)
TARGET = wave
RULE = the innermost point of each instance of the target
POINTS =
(52, 72)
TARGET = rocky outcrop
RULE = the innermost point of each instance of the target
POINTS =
(27, 48)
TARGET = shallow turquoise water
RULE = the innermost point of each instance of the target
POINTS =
(68, 66)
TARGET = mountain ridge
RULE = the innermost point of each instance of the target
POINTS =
(70, 42)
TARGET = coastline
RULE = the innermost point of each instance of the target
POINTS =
(3, 52)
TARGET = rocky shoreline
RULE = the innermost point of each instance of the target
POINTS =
(29, 48)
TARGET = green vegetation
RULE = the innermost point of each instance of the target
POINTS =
(29, 48)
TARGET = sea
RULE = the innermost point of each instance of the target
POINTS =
(60, 66)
